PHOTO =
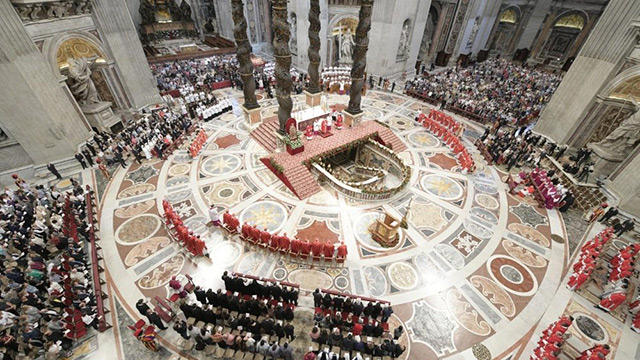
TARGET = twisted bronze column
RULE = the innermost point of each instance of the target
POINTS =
(284, 84)
(314, 47)
(360, 57)
(243, 54)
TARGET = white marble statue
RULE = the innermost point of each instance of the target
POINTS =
(346, 46)
(624, 138)
(82, 86)
(293, 42)
(403, 46)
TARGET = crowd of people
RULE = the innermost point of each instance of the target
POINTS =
(348, 324)
(586, 262)
(251, 317)
(447, 129)
(197, 74)
(46, 296)
(494, 89)
(193, 243)
(336, 79)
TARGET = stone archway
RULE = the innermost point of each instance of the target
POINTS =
(561, 38)
(502, 40)
(341, 30)
(78, 44)
(615, 103)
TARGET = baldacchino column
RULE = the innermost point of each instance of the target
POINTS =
(250, 107)
(313, 92)
(353, 112)
(284, 84)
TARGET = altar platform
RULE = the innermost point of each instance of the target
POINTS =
(295, 173)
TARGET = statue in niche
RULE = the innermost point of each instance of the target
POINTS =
(147, 12)
(185, 11)
(174, 9)
(82, 86)
(624, 138)
(474, 32)
(403, 45)
(346, 46)
(293, 42)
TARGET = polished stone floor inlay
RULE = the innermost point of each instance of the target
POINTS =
(474, 265)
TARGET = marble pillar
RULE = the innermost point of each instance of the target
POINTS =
(284, 84)
(118, 32)
(360, 57)
(537, 18)
(612, 39)
(625, 182)
(37, 110)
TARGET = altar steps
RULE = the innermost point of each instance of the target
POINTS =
(391, 140)
(303, 183)
(265, 134)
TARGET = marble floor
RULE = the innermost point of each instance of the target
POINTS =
(475, 266)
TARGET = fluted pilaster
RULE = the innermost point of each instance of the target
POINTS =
(119, 33)
(36, 111)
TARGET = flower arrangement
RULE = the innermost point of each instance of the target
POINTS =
(293, 144)
(276, 166)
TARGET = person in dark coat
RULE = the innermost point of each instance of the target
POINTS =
(87, 156)
(142, 307)
(201, 295)
(613, 211)
(54, 171)
(317, 298)
(80, 160)
(155, 319)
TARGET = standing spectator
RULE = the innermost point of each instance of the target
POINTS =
(54, 171)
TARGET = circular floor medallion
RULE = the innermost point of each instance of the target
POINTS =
(512, 275)
(310, 279)
(221, 164)
(487, 201)
(402, 276)
(589, 327)
(423, 139)
(265, 214)
(138, 229)
(442, 187)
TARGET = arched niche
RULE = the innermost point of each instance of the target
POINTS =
(404, 43)
(505, 30)
(615, 103)
(341, 38)
(78, 44)
(428, 37)
(564, 32)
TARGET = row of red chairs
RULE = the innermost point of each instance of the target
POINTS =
(281, 243)
(69, 226)
(197, 143)
(95, 258)
(589, 253)
(451, 140)
(186, 238)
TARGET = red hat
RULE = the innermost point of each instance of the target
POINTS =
(15, 176)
